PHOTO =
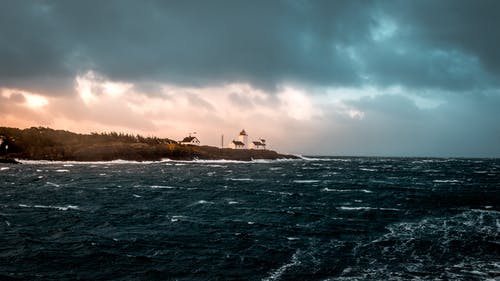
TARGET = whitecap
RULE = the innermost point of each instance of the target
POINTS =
(277, 192)
(136, 196)
(61, 208)
(4, 168)
(62, 170)
(306, 181)
(368, 170)
(365, 208)
(177, 218)
(326, 189)
(91, 163)
(52, 184)
(204, 202)
(241, 179)
(276, 274)
(346, 208)
(224, 161)
(232, 202)
(162, 187)
(446, 181)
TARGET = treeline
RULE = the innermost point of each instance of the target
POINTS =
(40, 136)
(46, 143)
(128, 138)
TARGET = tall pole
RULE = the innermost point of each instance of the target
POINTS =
(222, 141)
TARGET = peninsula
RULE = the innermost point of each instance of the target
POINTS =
(39, 143)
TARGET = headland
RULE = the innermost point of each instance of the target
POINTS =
(39, 143)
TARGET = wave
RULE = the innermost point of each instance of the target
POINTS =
(276, 274)
(61, 208)
(458, 246)
(306, 181)
(446, 181)
(240, 179)
(326, 189)
(162, 187)
(165, 160)
(365, 208)
(67, 163)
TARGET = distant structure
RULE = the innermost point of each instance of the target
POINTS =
(241, 143)
(237, 145)
(243, 137)
(190, 140)
(260, 144)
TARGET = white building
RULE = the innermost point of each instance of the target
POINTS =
(190, 140)
(241, 143)
(259, 144)
(236, 145)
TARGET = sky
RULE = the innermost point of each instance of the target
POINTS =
(362, 78)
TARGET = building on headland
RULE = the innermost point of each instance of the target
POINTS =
(190, 141)
(241, 143)
(259, 144)
(235, 144)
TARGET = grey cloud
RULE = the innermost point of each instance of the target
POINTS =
(468, 26)
(199, 102)
(241, 100)
(450, 44)
(195, 43)
(393, 125)
(17, 98)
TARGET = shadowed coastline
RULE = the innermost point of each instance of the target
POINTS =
(38, 143)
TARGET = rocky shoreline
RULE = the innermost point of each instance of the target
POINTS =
(9, 161)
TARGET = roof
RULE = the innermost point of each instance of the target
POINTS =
(189, 139)
(258, 143)
(238, 142)
(243, 133)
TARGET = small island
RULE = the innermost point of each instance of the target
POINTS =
(39, 143)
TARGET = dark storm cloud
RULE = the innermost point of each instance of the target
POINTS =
(468, 26)
(437, 44)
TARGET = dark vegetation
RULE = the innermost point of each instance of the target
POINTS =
(38, 143)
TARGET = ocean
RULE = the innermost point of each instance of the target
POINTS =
(321, 218)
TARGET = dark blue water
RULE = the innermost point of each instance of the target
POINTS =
(323, 219)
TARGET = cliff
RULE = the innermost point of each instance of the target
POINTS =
(57, 145)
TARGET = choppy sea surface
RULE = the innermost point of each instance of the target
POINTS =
(313, 219)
